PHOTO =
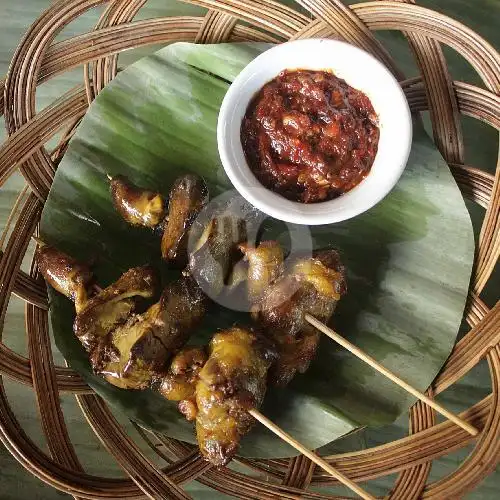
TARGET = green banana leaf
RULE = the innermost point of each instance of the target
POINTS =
(409, 259)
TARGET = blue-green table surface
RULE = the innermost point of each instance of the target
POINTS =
(15, 17)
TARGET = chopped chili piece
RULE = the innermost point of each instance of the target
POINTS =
(310, 136)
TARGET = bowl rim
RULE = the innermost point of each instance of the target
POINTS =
(275, 205)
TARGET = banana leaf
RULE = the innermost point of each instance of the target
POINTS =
(409, 259)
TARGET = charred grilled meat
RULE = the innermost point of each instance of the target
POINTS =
(133, 354)
(130, 350)
(212, 259)
(265, 265)
(324, 271)
(139, 207)
(232, 381)
(313, 285)
(180, 382)
(182, 307)
(112, 306)
(65, 274)
(188, 196)
(137, 352)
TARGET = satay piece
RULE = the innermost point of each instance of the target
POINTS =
(180, 382)
(216, 251)
(188, 197)
(313, 285)
(265, 265)
(113, 305)
(232, 381)
(137, 352)
(137, 206)
(133, 355)
(64, 274)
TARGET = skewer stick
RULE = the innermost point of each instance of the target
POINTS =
(384, 371)
(37, 240)
(309, 454)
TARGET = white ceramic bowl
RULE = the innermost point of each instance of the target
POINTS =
(360, 70)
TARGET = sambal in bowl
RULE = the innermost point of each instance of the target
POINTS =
(314, 131)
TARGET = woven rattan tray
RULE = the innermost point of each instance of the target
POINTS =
(39, 58)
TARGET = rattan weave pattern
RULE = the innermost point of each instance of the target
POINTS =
(39, 58)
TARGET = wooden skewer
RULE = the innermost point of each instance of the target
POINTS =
(309, 454)
(299, 447)
(375, 364)
(37, 240)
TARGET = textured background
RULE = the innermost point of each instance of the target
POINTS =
(15, 482)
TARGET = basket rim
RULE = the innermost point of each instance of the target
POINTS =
(38, 59)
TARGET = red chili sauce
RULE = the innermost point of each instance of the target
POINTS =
(309, 136)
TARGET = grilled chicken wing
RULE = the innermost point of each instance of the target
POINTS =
(313, 285)
(65, 274)
(188, 196)
(137, 206)
(232, 381)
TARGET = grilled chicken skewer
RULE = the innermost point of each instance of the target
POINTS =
(232, 381)
(230, 390)
(132, 351)
(222, 391)
(311, 285)
(129, 350)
